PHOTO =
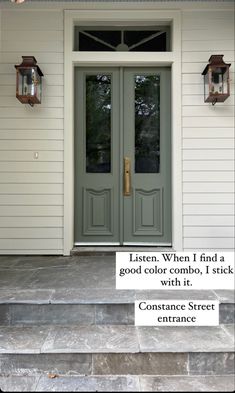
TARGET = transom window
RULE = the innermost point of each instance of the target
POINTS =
(126, 39)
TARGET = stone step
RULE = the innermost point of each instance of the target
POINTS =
(94, 306)
(117, 383)
(117, 350)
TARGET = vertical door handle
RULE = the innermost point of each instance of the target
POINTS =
(127, 176)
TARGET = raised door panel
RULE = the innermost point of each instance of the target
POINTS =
(148, 212)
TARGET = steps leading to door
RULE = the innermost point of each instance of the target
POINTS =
(63, 316)
(94, 306)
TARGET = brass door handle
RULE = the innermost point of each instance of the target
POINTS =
(127, 176)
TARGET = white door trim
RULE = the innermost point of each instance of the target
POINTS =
(72, 59)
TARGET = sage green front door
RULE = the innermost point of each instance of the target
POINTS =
(122, 156)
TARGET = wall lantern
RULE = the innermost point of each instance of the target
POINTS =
(29, 81)
(216, 80)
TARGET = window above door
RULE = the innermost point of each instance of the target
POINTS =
(122, 39)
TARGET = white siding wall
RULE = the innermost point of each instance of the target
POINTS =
(208, 135)
(31, 190)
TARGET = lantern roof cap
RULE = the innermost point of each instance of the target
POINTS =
(29, 62)
(216, 61)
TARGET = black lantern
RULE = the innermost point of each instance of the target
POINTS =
(29, 81)
(216, 80)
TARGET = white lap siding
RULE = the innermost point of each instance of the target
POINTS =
(208, 135)
(31, 190)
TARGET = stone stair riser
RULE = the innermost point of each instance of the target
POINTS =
(90, 314)
(169, 363)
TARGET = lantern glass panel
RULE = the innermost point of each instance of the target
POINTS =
(217, 81)
(29, 82)
(39, 87)
(206, 85)
(225, 81)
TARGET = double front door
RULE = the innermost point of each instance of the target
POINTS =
(122, 156)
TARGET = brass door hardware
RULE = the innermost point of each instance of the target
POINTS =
(127, 176)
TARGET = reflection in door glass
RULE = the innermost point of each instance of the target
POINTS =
(147, 123)
(98, 123)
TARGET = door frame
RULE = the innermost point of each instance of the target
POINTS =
(154, 59)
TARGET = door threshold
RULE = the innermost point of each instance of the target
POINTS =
(111, 250)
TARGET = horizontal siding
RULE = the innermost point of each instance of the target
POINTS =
(31, 190)
(31, 233)
(208, 132)
(206, 165)
(210, 34)
(42, 57)
(211, 176)
(209, 198)
(35, 20)
(208, 135)
(32, 199)
(208, 111)
(29, 134)
(30, 113)
(208, 154)
(196, 121)
(218, 231)
(31, 222)
(33, 145)
(29, 177)
(30, 244)
(208, 187)
(45, 46)
(208, 220)
(220, 143)
(207, 209)
(34, 166)
(29, 211)
(23, 35)
(33, 123)
(207, 242)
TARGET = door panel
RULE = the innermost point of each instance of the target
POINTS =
(147, 210)
(128, 130)
(97, 156)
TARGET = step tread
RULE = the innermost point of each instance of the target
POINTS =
(117, 383)
(114, 339)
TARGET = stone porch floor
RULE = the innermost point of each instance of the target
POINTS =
(83, 279)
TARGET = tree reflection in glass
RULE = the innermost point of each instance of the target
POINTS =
(98, 123)
(147, 123)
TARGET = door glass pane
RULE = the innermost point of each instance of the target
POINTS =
(147, 123)
(98, 123)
